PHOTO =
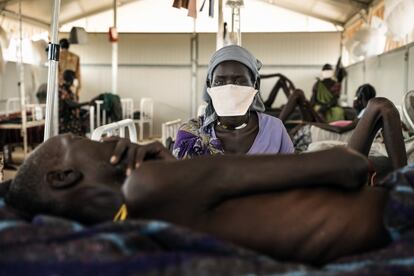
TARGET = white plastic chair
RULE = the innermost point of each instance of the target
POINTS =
(13, 105)
(38, 111)
(169, 129)
(127, 108)
(114, 129)
(146, 116)
(100, 121)
(408, 109)
(91, 119)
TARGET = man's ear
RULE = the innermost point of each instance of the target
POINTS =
(62, 179)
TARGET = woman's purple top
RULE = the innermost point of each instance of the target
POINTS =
(194, 140)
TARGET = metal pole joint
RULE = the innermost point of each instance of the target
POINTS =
(53, 52)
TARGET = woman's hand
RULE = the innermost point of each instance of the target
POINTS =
(133, 154)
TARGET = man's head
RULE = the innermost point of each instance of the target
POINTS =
(327, 71)
(363, 94)
(64, 43)
(71, 177)
(68, 77)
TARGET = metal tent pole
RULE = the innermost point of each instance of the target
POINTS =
(51, 123)
(194, 64)
(115, 54)
(21, 83)
(220, 30)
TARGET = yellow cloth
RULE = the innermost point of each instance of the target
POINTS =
(122, 213)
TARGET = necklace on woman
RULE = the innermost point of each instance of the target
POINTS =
(243, 125)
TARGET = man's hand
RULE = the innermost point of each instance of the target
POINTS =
(133, 154)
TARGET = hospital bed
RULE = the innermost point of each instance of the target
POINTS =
(47, 245)
(11, 123)
(156, 247)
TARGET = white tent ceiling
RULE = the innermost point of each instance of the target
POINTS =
(39, 12)
(334, 11)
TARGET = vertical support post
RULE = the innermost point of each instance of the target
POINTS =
(237, 23)
(21, 83)
(51, 122)
(220, 30)
(115, 54)
(235, 34)
(194, 64)
(406, 69)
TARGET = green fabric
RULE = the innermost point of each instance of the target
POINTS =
(108, 101)
(335, 113)
(112, 105)
(325, 97)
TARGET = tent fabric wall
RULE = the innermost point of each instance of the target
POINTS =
(355, 78)
(391, 74)
(410, 85)
(159, 65)
(34, 77)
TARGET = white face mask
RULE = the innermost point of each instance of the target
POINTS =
(327, 74)
(231, 100)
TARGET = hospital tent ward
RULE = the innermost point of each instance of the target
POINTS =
(206, 137)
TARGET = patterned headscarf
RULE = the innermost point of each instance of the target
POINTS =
(232, 53)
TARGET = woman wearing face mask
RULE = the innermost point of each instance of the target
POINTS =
(233, 122)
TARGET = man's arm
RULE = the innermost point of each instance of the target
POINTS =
(205, 182)
(381, 114)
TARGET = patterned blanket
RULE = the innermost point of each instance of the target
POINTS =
(55, 246)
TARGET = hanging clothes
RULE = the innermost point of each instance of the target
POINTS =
(190, 5)
(211, 8)
(112, 105)
(192, 8)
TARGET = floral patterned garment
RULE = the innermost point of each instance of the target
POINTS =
(194, 140)
(69, 118)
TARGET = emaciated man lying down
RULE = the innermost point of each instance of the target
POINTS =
(311, 207)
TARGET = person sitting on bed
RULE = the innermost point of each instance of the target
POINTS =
(325, 96)
(69, 108)
(234, 121)
(363, 94)
(315, 126)
(316, 214)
